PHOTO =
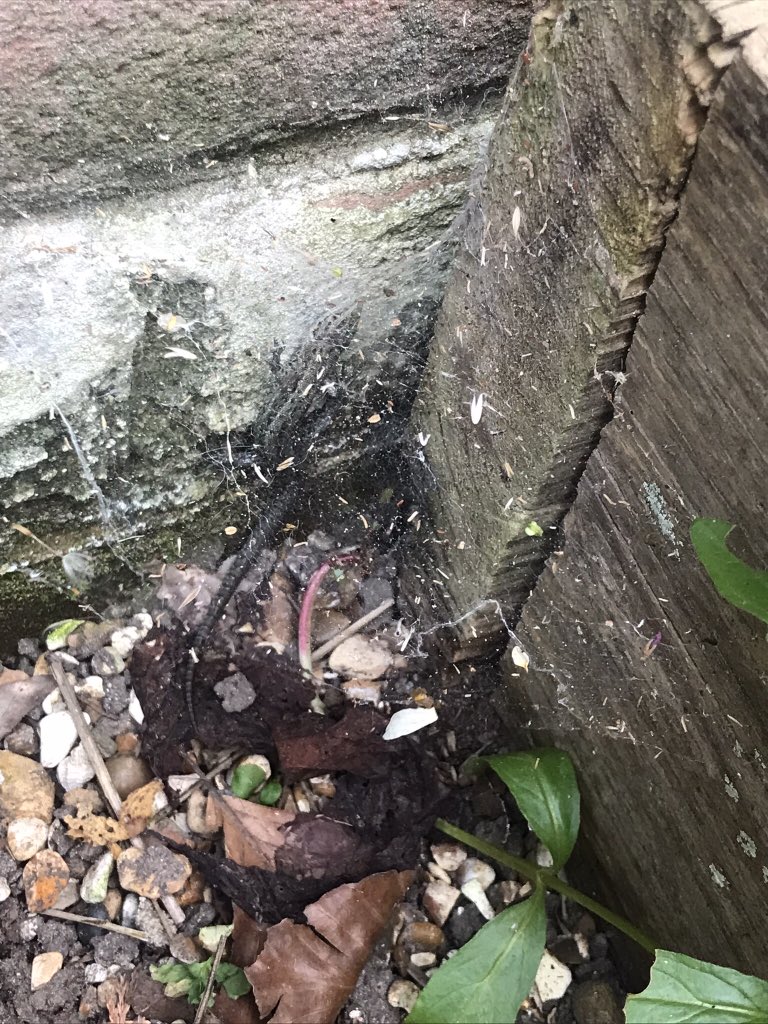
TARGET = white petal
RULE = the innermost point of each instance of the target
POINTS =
(409, 720)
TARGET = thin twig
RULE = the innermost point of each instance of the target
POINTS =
(350, 630)
(85, 735)
(103, 777)
(108, 926)
(211, 979)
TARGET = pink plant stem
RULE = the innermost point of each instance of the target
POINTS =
(308, 606)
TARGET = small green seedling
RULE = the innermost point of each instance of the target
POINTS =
(190, 979)
(490, 976)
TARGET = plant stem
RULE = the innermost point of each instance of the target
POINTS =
(548, 879)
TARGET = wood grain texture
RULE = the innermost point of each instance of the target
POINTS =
(672, 748)
(582, 182)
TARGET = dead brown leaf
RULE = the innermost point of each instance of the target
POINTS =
(19, 694)
(307, 980)
(252, 833)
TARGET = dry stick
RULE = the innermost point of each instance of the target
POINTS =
(211, 980)
(350, 630)
(67, 691)
(108, 926)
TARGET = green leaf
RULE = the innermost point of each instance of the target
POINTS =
(688, 991)
(544, 786)
(209, 936)
(56, 635)
(487, 980)
(734, 580)
(233, 980)
(533, 529)
(168, 974)
(246, 779)
(271, 793)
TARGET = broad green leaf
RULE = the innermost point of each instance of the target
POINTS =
(544, 786)
(533, 529)
(734, 580)
(487, 980)
(688, 991)
(233, 980)
(246, 779)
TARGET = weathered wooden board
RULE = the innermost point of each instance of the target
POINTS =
(672, 748)
(583, 179)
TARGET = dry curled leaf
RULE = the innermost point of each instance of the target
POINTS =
(139, 807)
(307, 973)
(97, 829)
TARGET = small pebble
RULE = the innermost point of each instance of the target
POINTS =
(323, 785)
(70, 894)
(143, 622)
(26, 791)
(26, 836)
(365, 691)
(472, 868)
(147, 920)
(116, 696)
(75, 770)
(28, 928)
(448, 856)
(416, 937)
(113, 901)
(135, 709)
(45, 875)
(124, 640)
(235, 692)
(196, 816)
(95, 974)
(130, 907)
(58, 734)
(437, 873)
(360, 657)
(107, 662)
(475, 893)
(439, 900)
(552, 979)
(402, 994)
(543, 857)
(44, 966)
(93, 888)
(128, 773)
(153, 872)
(595, 1002)
(23, 740)
(423, 959)
(5, 890)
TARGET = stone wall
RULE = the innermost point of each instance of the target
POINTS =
(189, 191)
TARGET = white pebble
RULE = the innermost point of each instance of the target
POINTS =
(475, 893)
(95, 974)
(5, 890)
(474, 868)
(552, 979)
(125, 639)
(75, 770)
(58, 734)
(448, 856)
(26, 837)
(44, 966)
(134, 708)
